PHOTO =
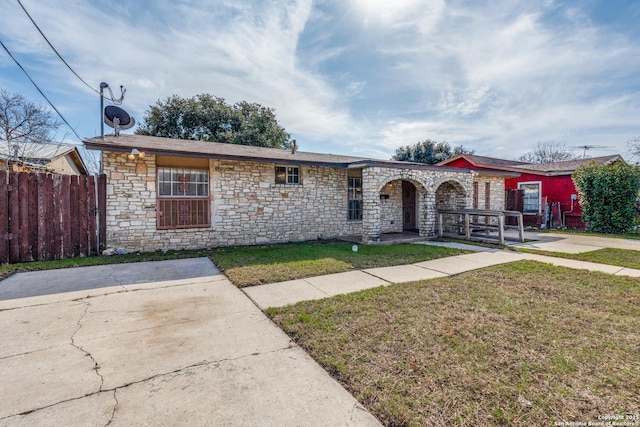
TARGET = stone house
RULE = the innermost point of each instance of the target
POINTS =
(175, 194)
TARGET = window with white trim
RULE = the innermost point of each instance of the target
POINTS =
(287, 175)
(183, 198)
(531, 197)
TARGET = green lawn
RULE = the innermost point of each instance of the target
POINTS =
(519, 344)
(255, 265)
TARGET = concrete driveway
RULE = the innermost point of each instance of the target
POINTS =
(186, 351)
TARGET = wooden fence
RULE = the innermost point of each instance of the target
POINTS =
(46, 217)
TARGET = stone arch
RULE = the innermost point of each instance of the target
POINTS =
(401, 205)
(450, 194)
(376, 200)
(401, 175)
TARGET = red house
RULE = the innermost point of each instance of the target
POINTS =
(548, 195)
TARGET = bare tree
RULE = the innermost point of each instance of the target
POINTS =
(548, 152)
(633, 147)
(23, 125)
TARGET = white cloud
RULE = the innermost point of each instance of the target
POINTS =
(355, 77)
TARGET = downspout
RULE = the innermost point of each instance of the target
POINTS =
(564, 214)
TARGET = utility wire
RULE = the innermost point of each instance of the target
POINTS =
(54, 49)
(112, 99)
(41, 93)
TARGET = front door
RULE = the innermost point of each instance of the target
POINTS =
(408, 206)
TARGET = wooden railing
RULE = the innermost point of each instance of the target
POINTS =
(468, 219)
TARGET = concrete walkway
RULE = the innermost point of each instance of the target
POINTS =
(293, 291)
(574, 243)
(193, 352)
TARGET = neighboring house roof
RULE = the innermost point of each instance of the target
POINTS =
(39, 155)
(216, 150)
(568, 167)
(483, 161)
(547, 169)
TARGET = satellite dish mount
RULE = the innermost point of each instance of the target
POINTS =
(114, 116)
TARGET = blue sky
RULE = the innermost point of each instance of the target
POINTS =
(358, 77)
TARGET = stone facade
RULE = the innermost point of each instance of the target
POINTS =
(247, 207)
(496, 193)
(391, 207)
(427, 182)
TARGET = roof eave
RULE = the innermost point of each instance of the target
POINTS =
(194, 154)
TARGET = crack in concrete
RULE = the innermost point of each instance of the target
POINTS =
(96, 367)
(113, 412)
(39, 305)
(30, 352)
(289, 346)
(200, 364)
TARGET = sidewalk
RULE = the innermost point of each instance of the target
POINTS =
(293, 291)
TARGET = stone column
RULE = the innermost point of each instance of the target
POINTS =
(370, 207)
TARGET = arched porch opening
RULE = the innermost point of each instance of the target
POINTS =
(400, 209)
(450, 195)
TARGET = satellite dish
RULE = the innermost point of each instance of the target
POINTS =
(118, 119)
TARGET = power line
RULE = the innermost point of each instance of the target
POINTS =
(54, 49)
(41, 93)
(112, 99)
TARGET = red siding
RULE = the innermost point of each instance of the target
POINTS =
(461, 163)
(554, 188)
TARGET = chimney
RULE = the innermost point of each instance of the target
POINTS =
(294, 147)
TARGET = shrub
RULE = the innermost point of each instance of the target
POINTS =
(608, 195)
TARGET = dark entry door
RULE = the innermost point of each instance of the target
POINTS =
(408, 206)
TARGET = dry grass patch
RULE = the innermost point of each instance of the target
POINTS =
(611, 256)
(519, 344)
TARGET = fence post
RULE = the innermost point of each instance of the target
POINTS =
(467, 226)
(501, 229)
(14, 224)
(4, 217)
(521, 228)
(21, 214)
(102, 213)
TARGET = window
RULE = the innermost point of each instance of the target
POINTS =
(287, 175)
(183, 198)
(355, 198)
(531, 197)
